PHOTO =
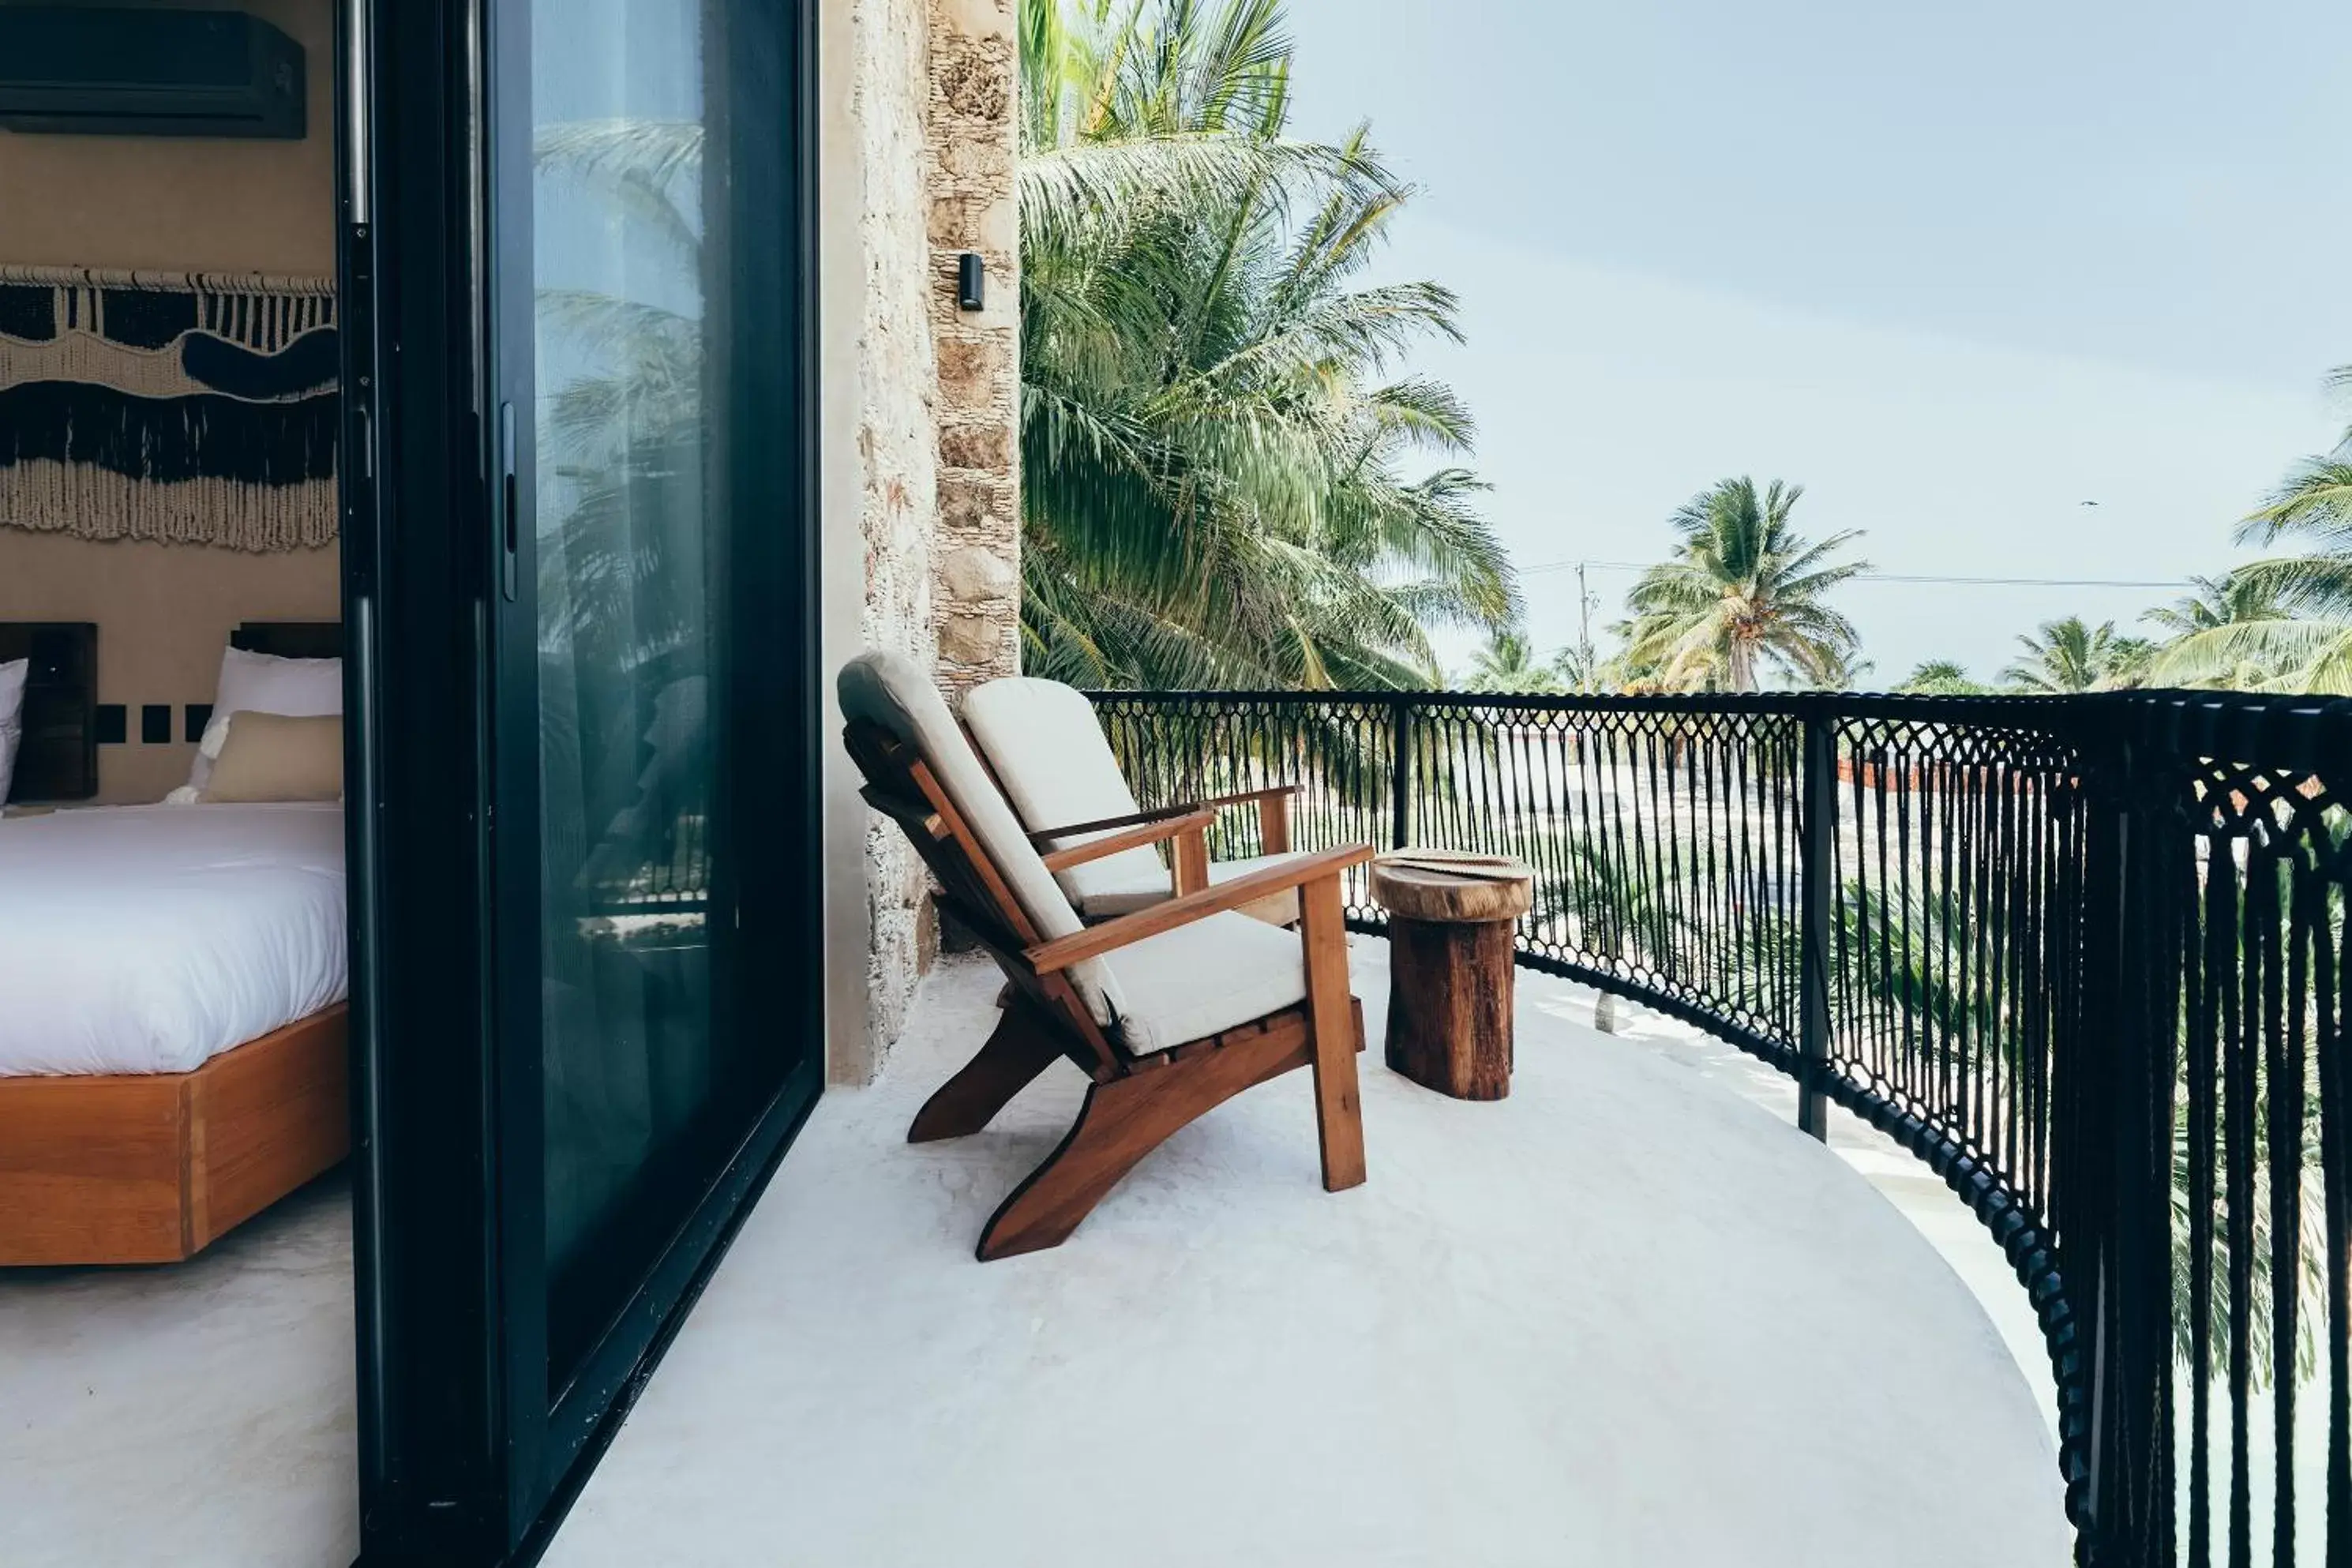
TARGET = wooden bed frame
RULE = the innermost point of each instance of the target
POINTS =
(153, 1167)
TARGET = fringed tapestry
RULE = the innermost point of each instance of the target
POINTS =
(194, 408)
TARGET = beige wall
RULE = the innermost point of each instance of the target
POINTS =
(164, 614)
(181, 204)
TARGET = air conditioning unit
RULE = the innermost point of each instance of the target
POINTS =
(119, 72)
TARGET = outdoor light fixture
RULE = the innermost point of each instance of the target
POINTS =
(971, 281)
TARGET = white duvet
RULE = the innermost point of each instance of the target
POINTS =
(150, 938)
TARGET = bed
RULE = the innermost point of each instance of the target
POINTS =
(173, 1050)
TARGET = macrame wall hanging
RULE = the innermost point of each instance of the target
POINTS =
(194, 409)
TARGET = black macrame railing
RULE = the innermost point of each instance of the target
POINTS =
(2085, 956)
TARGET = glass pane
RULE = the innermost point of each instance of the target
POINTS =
(632, 506)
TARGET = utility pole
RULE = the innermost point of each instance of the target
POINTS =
(1584, 618)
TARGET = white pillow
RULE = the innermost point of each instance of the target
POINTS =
(264, 683)
(13, 676)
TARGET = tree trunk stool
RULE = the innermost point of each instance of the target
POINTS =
(1451, 919)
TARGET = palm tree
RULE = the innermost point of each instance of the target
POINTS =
(2188, 658)
(622, 419)
(2213, 602)
(2306, 644)
(1744, 591)
(1575, 669)
(2129, 661)
(1508, 663)
(1216, 450)
(2070, 655)
(1844, 670)
(1941, 678)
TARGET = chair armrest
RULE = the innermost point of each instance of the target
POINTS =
(1045, 836)
(1127, 929)
(1273, 813)
(1242, 797)
(1132, 838)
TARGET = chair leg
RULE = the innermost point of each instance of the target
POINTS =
(1122, 1120)
(1332, 1035)
(1020, 1049)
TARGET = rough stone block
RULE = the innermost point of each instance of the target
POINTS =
(969, 505)
(973, 575)
(970, 369)
(970, 639)
(975, 75)
(988, 447)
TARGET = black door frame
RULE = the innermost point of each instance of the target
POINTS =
(461, 1460)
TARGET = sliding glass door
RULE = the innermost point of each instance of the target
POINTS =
(623, 448)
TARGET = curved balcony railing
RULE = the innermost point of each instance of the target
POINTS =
(2085, 956)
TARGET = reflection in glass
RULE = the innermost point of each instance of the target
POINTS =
(630, 536)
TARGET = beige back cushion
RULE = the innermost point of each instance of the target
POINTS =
(1044, 741)
(271, 757)
(890, 690)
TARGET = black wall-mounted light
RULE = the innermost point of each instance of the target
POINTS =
(971, 281)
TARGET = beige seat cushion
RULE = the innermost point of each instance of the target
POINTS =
(888, 690)
(271, 757)
(1203, 978)
(1049, 751)
(1040, 738)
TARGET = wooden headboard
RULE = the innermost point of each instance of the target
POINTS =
(290, 640)
(58, 758)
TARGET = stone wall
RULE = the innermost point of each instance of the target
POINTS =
(897, 447)
(974, 206)
(931, 116)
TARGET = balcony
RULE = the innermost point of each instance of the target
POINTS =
(2075, 963)
(1624, 1316)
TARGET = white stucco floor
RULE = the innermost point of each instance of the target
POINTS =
(198, 1415)
(1628, 1316)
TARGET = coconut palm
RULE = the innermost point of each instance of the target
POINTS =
(2070, 655)
(2223, 601)
(1508, 663)
(1744, 593)
(1575, 669)
(1215, 448)
(1844, 670)
(2129, 661)
(2307, 645)
(2188, 658)
(1941, 678)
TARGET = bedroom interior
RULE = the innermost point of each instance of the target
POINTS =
(174, 1099)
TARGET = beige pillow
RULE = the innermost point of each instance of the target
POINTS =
(266, 756)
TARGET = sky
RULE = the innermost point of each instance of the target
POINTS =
(1956, 269)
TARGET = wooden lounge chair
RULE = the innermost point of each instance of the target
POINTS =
(1041, 740)
(1169, 1011)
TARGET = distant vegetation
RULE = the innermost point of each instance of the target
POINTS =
(1743, 595)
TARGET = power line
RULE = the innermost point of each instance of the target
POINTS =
(1952, 579)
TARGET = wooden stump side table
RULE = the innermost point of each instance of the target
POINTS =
(1451, 917)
